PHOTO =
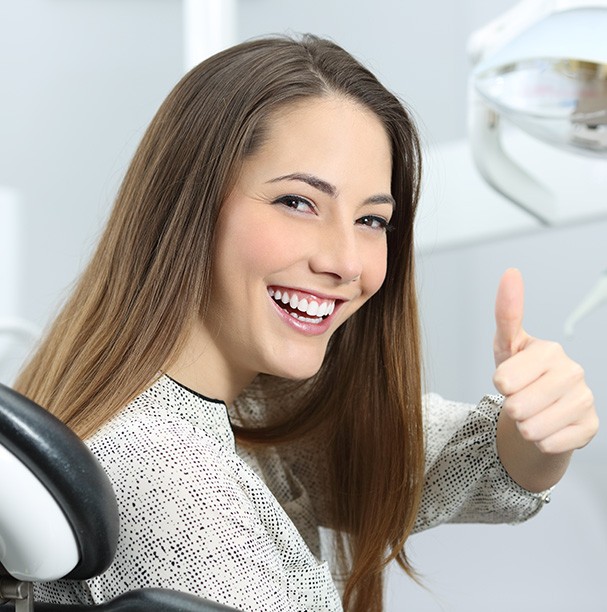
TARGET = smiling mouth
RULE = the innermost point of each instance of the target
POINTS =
(302, 307)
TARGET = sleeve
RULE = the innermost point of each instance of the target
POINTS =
(186, 522)
(465, 481)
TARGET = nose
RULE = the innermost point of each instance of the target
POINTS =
(338, 253)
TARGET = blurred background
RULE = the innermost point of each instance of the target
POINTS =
(80, 80)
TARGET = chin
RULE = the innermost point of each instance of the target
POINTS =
(296, 368)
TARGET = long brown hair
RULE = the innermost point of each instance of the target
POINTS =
(148, 281)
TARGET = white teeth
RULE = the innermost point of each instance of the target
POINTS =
(303, 305)
(313, 309)
(305, 319)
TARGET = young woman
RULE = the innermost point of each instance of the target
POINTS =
(242, 351)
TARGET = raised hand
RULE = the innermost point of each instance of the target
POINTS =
(546, 395)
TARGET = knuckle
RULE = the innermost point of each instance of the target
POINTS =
(498, 380)
(554, 349)
(542, 445)
(577, 373)
(593, 425)
(548, 447)
(513, 408)
(501, 381)
(527, 432)
(588, 398)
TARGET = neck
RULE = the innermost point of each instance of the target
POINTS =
(201, 368)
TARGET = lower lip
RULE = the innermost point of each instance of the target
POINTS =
(309, 329)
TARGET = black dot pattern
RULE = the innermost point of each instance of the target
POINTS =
(465, 480)
(242, 527)
(194, 516)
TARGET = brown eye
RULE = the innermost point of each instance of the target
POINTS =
(376, 222)
(295, 202)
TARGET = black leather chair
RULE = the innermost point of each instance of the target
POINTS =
(58, 515)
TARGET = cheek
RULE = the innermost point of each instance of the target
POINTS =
(252, 245)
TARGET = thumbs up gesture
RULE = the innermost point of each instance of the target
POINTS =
(547, 402)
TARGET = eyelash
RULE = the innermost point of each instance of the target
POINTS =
(366, 220)
(287, 200)
(383, 223)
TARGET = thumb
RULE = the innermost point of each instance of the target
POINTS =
(510, 337)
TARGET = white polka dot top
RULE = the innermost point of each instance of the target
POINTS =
(242, 528)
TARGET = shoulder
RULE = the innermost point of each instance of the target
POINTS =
(152, 444)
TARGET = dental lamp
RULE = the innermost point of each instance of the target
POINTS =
(541, 68)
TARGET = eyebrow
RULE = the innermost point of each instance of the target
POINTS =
(331, 190)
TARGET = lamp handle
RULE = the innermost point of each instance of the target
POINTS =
(499, 169)
(595, 298)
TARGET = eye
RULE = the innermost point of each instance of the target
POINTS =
(296, 203)
(375, 222)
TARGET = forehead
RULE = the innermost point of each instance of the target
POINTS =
(324, 136)
(315, 115)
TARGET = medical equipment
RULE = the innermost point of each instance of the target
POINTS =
(541, 67)
(58, 515)
(595, 297)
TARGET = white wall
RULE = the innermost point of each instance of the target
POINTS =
(556, 561)
(79, 80)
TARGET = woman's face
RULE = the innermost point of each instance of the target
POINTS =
(301, 239)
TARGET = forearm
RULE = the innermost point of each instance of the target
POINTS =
(525, 463)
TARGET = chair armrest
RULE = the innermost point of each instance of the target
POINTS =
(140, 600)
